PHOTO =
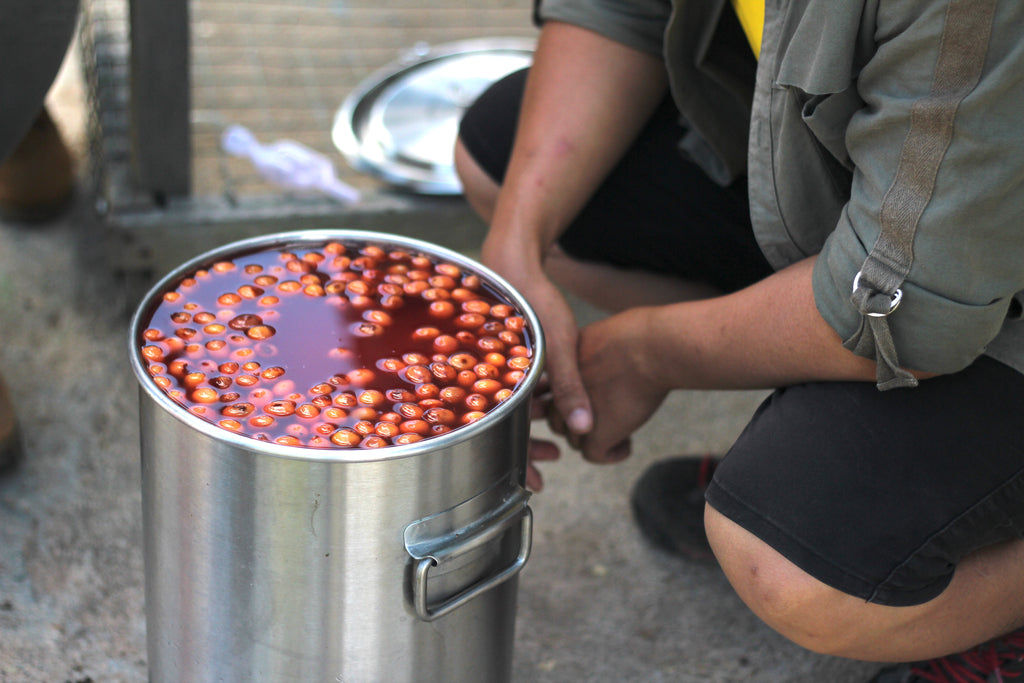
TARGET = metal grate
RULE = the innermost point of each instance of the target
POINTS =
(283, 68)
(280, 68)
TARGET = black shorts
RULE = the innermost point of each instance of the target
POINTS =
(877, 494)
(656, 210)
(880, 494)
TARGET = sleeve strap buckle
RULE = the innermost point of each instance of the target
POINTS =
(894, 301)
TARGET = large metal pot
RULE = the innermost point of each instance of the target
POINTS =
(275, 563)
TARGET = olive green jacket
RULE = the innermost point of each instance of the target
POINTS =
(883, 136)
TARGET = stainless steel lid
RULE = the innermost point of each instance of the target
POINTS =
(400, 124)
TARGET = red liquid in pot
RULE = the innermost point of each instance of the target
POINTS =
(337, 347)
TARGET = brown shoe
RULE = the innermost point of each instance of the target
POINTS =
(37, 180)
(10, 437)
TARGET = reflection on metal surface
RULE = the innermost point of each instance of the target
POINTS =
(270, 562)
(401, 123)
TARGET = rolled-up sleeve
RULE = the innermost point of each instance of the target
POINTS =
(639, 24)
(968, 249)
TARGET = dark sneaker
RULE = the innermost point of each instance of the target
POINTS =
(996, 661)
(668, 505)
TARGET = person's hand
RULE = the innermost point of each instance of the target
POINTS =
(586, 98)
(539, 451)
(560, 396)
(622, 380)
(524, 271)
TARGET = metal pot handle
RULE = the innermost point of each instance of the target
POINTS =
(421, 571)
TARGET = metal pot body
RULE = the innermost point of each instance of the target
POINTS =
(273, 563)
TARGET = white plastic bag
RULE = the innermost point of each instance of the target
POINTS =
(288, 164)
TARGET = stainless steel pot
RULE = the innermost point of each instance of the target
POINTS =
(276, 563)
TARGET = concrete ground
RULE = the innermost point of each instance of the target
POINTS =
(595, 603)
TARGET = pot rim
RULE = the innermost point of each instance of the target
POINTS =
(311, 238)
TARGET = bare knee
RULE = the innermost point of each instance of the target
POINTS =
(478, 187)
(792, 602)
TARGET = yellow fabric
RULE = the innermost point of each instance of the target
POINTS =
(751, 14)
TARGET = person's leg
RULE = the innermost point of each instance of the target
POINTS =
(478, 187)
(610, 287)
(37, 179)
(687, 237)
(34, 37)
(883, 526)
(984, 600)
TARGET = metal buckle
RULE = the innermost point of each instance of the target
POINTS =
(897, 297)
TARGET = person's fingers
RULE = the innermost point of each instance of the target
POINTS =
(539, 451)
(572, 402)
(562, 364)
(534, 480)
(597, 454)
(543, 450)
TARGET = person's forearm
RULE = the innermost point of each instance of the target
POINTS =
(586, 99)
(767, 335)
